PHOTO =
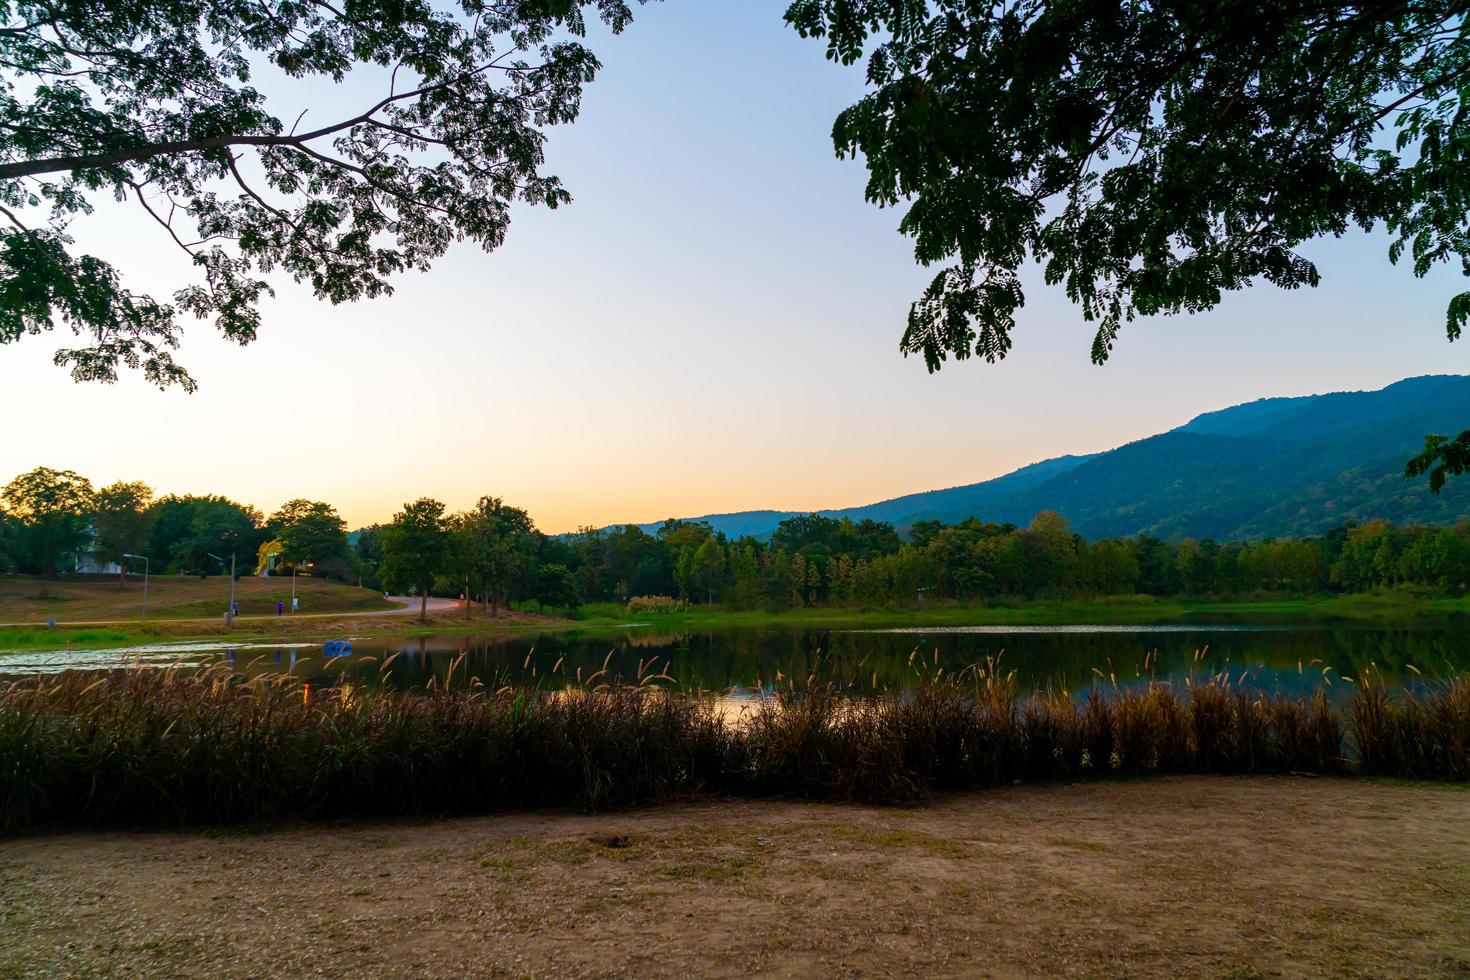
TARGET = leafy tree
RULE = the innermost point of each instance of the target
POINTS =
(556, 586)
(367, 555)
(310, 532)
(1442, 457)
(702, 570)
(1440, 559)
(50, 509)
(807, 535)
(1054, 551)
(187, 530)
(153, 103)
(494, 547)
(416, 548)
(1112, 567)
(123, 520)
(1152, 156)
(1369, 557)
(9, 543)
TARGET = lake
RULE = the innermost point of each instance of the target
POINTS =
(1276, 656)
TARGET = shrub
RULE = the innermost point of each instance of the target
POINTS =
(655, 604)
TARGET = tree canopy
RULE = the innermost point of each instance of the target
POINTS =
(310, 532)
(1152, 156)
(122, 519)
(416, 548)
(50, 509)
(157, 104)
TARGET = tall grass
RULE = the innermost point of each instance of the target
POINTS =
(156, 748)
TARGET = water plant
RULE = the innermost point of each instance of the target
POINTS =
(148, 747)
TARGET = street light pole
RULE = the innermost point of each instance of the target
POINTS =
(232, 578)
(144, 558)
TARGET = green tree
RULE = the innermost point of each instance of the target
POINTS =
(416, 548)
(494, 547)
(1053, 551)
(556, 586)
(1441, 458)
(1152, 156)
(1112, 567)
(50, 509)
(187, 530)
(701, 571)
(367, 555)
(122, 520)
(311, 533)
(151, 102)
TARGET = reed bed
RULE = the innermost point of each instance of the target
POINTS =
(152, 748)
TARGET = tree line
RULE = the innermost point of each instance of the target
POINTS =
(50, 520)
(813, 560)
(494, 554)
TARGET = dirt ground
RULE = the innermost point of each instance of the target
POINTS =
(1230, 877)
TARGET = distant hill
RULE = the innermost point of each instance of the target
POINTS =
(1276, 467)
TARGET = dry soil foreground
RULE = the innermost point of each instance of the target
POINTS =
(1165, 877)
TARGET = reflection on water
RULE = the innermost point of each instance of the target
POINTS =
(1084, 628)
(1287, 657)
(152, 655)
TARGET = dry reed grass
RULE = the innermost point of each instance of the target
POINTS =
(147, 747)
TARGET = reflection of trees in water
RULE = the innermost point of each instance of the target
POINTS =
(763, 659)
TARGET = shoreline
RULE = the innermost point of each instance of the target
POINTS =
(1112, 611)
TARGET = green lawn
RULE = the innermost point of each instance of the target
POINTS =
(1110, 610)
(1120, 610)
(26, 601)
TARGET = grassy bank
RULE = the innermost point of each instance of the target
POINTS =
(1121, 610)
(272, 628)
(1117, 610)
(94, 599)
(150, 747)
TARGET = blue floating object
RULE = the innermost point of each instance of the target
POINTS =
(336, 648)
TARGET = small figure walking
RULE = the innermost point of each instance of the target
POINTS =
(280, 607)
(295, 605)
(234, 609)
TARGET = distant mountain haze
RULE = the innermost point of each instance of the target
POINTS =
(1277, 467)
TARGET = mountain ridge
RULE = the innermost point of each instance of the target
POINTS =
(1273, 467)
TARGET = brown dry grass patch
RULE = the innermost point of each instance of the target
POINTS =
(1198, 876)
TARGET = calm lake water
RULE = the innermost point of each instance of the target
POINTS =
(1285, 657)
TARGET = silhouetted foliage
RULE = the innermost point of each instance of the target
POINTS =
(153, 103)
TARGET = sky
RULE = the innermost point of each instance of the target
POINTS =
(712, 325)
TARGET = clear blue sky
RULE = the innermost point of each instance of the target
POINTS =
(712, 325)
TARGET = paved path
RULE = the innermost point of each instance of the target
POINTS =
(408, 604)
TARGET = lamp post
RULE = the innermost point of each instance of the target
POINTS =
(232, 578)
(144, 559)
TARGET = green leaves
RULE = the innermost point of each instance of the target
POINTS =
(309, 531)
(1442, 458)
(1153, 157)
(51, 509)
(416, 546)
(151, 103)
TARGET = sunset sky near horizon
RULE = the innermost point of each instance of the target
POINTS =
(712, 325)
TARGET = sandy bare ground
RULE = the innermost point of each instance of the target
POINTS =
(1165, 877)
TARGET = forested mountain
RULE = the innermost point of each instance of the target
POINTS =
(1270, 468)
